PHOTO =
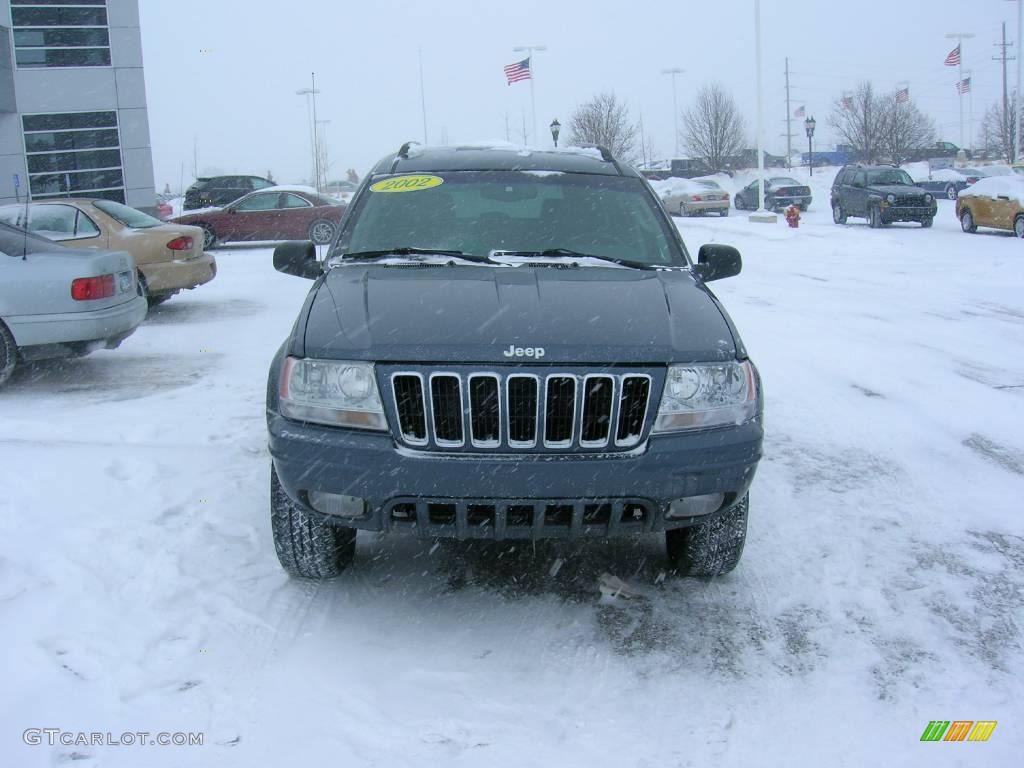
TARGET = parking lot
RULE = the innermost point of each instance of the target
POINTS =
(882, 585)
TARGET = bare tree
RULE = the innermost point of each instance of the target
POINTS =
(604, 120)
(323, 161)
(903, 128)
(713, 129)
(997, 128)
(858, 120)
(352, 176)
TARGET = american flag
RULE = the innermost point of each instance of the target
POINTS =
(800, 112)
(953, 60)
(903, 95)
(964, 86)
(518, 71)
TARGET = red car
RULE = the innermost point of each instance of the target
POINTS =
(274, 213)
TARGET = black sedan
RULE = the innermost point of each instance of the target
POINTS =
(779, 192)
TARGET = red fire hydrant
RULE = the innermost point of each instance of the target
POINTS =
(793, 216)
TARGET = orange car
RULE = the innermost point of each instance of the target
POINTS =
(996, 202)
(169, 257)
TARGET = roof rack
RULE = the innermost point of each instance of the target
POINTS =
(403, 154)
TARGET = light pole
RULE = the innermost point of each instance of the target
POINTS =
(760, 216)
(675, 102)
(321, 153)
(533, 76)
(809, 125)
(556, 128)
(310, 94)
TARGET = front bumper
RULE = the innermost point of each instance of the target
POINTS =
(636, 487)
(99, 325)
(907, 213)
(166, 276)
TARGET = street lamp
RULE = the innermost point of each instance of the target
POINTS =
(675, 102)
(809, 125)
(760, 216)
(556, 128)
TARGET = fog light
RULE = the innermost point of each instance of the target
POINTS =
(695, 506)
(337, 504)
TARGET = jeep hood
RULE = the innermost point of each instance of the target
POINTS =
(473, 314)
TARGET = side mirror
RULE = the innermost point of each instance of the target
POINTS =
(717, 261)
(297, 257)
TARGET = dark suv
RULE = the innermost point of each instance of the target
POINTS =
(881, 194)
(216, 191)
(510, 345)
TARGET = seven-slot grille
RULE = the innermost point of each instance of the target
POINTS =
(521, 411)
(910, 200)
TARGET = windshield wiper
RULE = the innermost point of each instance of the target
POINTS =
(568, 253)
(410, 251)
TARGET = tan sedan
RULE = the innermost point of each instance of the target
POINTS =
(996, 202)
(169, 257)
(692, 197)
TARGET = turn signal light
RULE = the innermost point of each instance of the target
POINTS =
(180, 244)
(90, 288)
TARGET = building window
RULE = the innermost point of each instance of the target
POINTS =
(73, 154)
(60, 33)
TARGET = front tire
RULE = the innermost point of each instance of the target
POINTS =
(321, 232)
(926, 223)
(837, 214)
(713, 548)
(724, 212)
(307, 547)
(1018, 226)
(739, 202)
(950, 192)
(967, 222)
(8, 353)
(874, 217)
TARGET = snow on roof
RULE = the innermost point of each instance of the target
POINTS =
(497, 144)
(290, 188)
(942, 174)
(676, 186)
(996, 186)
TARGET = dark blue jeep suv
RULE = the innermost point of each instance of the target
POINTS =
(510, 344)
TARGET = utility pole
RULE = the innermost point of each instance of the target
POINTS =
(1004, 58)
(789, 122)
(960, 37)
(423, 99)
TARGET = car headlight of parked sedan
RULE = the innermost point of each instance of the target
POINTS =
(334, 392)
(928, 198)
(890, 199)
(707, 395)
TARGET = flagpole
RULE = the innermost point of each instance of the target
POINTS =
(960, 37)
(533, 103)
(423, 98)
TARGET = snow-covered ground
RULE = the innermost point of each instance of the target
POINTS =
(882, 585)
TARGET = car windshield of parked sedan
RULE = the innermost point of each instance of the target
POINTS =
(478, 212)
(129, 217)
(709, 184)
(18, 242)
(890, 176)
(784, 181)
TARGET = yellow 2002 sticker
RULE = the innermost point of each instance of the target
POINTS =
(406, 184)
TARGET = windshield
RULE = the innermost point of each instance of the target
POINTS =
(129, 217)
(784, 181)
(890, 176)
(709, 185)
(477, 212)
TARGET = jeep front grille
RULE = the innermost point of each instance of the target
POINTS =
(443, 410)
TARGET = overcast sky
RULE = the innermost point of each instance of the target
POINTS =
(238, 101)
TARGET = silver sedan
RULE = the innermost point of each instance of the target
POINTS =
(59, 302)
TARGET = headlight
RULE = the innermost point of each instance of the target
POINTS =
(928, 198)
(890, 199)
(341, 394)
(702, 396)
